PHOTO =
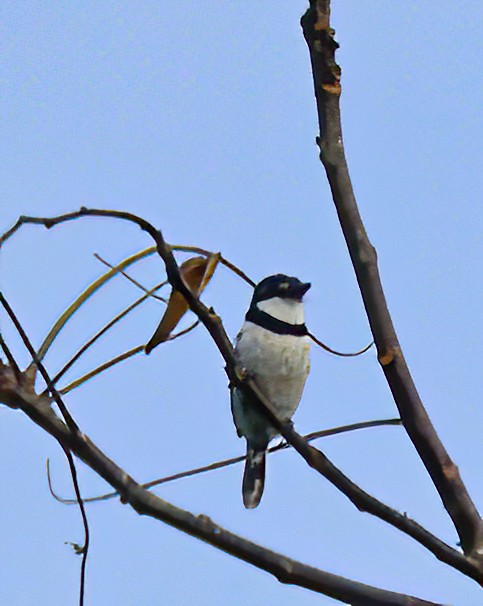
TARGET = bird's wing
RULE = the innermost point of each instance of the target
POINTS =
(236, 401)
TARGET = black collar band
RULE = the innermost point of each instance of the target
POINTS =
(260, 318)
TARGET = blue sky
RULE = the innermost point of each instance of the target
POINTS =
(200, 117)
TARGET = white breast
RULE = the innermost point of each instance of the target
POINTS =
(279, 363)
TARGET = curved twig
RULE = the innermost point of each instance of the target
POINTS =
(120, 358)
(81, 299)
(338, 353)
(132, 280)
(222, 260)
(101, 368)
(226, 462)
(184, 331)
(73, 430)
(103, 330)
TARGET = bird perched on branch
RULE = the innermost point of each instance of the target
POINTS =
(273, 348)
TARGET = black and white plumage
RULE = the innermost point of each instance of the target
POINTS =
(273, 347)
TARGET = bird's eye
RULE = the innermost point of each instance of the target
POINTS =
(284, 286)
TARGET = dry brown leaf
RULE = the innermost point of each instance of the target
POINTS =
(196, 273)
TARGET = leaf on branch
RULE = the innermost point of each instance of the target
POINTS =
(196, 273)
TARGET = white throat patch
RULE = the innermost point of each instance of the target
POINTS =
(286, 310)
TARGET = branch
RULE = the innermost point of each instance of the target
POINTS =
(120, 358)
(316, 459)
(103, 330)
(147, 291)
(202, 527)
(11, 360)
(444, 474)
(240, 273)
(82, 298)
(101, 368)
(71, 427)
(338, 353)
(226, 462)
(201, 251)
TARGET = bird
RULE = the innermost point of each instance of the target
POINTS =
(272, 348)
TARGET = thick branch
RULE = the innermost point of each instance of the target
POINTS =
(444, 473)
(202, 527)
(316, 459)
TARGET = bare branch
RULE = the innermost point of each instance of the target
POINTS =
(222, 260)
(72, 425)
(104, 329)
(10, 359)
(101, 368)
(444, 474)
(120, 358)
(183, 332)
(82, 298)
(316, 459)
(202, 527)
(84, 550)
(131, 279)
(338, 353)
(73, 430)
(226, 462)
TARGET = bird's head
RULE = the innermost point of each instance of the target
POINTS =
(280, 286)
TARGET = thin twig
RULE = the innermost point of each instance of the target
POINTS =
(85, 548)
(82, 298)
(104, 329)
(222, 260)
(149, 251)
(63, 409)
(226, 462)
(11, 360)
(149, 292)
(185, 331)
(74, 430)
(92, 373)
(120, 358)
(338, 353)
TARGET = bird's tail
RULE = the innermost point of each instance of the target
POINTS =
(253, 478)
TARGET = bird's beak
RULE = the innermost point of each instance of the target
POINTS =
(301, 289)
